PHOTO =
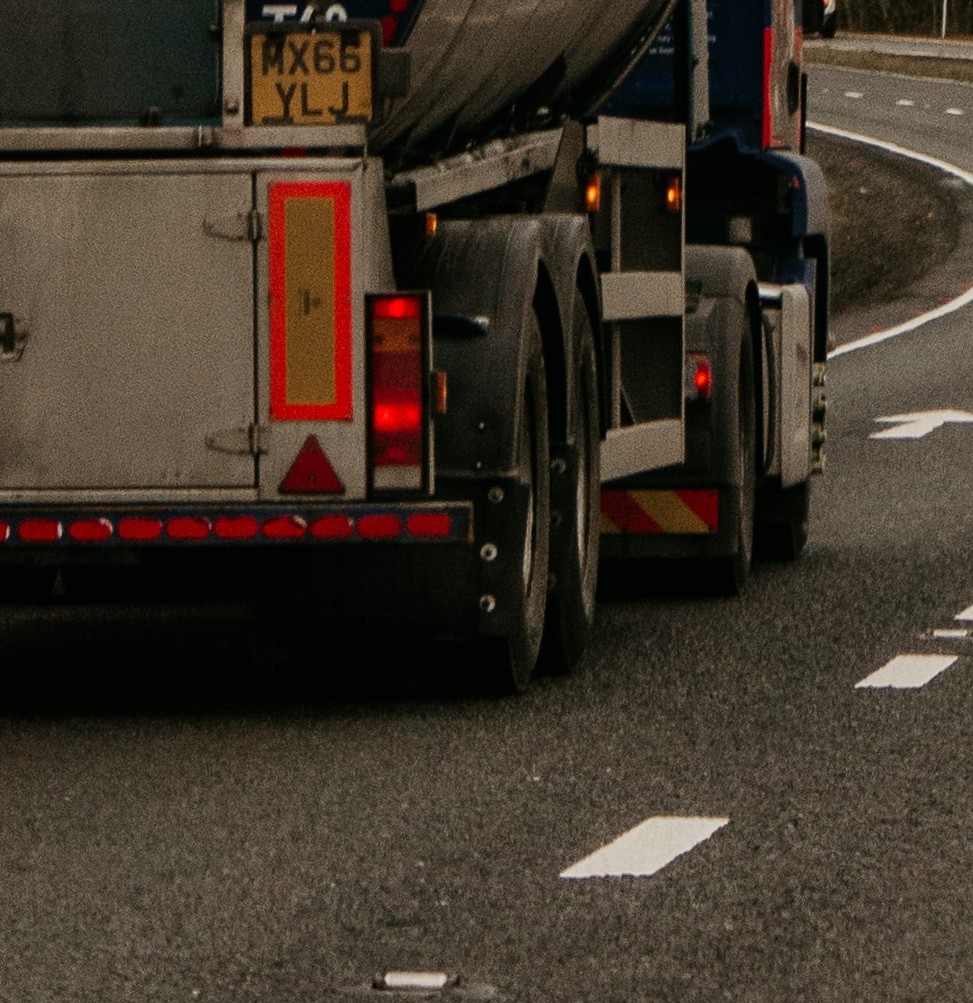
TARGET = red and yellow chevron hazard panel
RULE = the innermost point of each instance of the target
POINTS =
(310, 301)
(659, 511)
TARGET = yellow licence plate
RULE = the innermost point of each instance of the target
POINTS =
(310, 77)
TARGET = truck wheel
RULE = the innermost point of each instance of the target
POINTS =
(735, 569)
(511, 661)
(575, 493)
(783, 522)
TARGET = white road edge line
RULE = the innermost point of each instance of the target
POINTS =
(967, 614)
(647, 848)
(907, 672)
(947, 308)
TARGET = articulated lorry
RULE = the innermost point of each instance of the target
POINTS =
(406, 313)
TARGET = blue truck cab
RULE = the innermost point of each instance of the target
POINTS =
(749, 179)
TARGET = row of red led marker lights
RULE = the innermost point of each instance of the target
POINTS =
(140, 529)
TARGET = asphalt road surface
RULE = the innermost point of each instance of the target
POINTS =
(195, 807)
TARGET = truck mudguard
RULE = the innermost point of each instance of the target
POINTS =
(485, 275)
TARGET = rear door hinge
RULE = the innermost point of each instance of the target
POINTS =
(250, 441)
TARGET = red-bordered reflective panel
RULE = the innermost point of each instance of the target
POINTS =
(310, 301)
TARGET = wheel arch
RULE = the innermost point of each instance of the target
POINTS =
(483, 275)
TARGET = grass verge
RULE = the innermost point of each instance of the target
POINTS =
(892, 220)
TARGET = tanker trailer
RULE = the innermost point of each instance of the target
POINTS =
(370, 311)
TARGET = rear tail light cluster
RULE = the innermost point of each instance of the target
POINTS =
(439, 523)
(396, 16)
(399, 346)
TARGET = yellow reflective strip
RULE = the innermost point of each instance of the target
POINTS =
(310, 301)
(669, 511)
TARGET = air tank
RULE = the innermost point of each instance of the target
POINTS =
(481, 66)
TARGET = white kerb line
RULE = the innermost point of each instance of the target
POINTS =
(947, 308)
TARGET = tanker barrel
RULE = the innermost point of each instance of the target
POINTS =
(483, 68)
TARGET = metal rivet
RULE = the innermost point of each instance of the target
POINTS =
(488, 551)
(495, 495)
(487, 603)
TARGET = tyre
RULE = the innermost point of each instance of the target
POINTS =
(575, 501)
(734, 570)
(511, 659)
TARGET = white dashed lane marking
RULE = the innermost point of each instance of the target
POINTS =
(905, 103)
(647, 848)
(967, 614)
(920, 423)
(906, 672)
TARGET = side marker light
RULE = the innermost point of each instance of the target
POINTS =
(698, 377)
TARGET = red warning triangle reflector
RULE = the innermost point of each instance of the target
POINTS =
(311, 472)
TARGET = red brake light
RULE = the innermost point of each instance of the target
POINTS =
(40, 530)
(397, 307)
(332, 527)
(139, 529)
(379, 527)
(435, 524)
(187, 527)
(401, 417)
(90, 530)
(285, 527)
(241, 527)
